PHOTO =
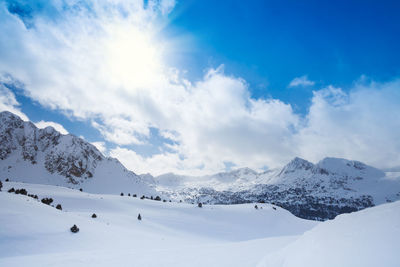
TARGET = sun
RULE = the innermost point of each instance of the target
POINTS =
(134, 57)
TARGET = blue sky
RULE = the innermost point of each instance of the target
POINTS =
(270, 42)
(202, 86)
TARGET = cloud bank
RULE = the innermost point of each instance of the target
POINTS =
(105, 62)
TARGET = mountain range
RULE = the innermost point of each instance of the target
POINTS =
(312, 191)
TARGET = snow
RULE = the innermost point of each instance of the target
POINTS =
(366, 238)
(170, 234)
(179, 234)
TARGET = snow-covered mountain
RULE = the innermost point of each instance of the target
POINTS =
(313, 191)
(44, 156)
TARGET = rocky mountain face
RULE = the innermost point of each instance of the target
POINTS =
(34, 155)
(312, 191)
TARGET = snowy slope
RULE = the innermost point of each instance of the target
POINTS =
(179, 234)
(170, 234)
(365, 238)
(44, 156)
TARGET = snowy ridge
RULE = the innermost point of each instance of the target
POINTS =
(44, 156)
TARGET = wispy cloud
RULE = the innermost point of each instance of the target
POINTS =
(57, 126)
(8, 102)
(301, 81)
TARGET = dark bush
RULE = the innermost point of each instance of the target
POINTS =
(157, 198)
(74, 229)
(200, 205)
(142, 197)
(122, 194)
(129, 194)
(164, 200)
(59, 207)
(274, 208)
(151, 197)
(94, 215)
(139, 217)
(80, 189)
(1, 185)
(7, 180)
(256, 207)
(11, 190)
(47, 201)
(134, 195)
(21, 191)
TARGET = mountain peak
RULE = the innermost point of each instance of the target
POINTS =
(6, 118)
(8, 114)
(297, 164)
(30, 154)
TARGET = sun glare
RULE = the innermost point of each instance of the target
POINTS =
(134, 59)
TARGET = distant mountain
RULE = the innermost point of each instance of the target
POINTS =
(44, 156)
(313, 191)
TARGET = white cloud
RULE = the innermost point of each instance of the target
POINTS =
(301, 81)
(101, 146)
(157, 164)
(110, 69)
(55, 125)
(8, 102)
(363, 124)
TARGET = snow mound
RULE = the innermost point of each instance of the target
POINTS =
(365, 238)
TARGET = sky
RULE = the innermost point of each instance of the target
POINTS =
(198, 87)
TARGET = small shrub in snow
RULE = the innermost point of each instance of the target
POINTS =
(157, 198)
(80, 189)
(47, 201)
(122, 194)
(74, 229)
(151, 197)
(7, 180)
(256, 207)
(274, 208)
(1, 185)
(142, 197)
(134, 195)
(129, 194)
(200, 205)
(21, 191)
(164, 200)
(59, 207)
(94, 215)
(139, 217)
(11, 190)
